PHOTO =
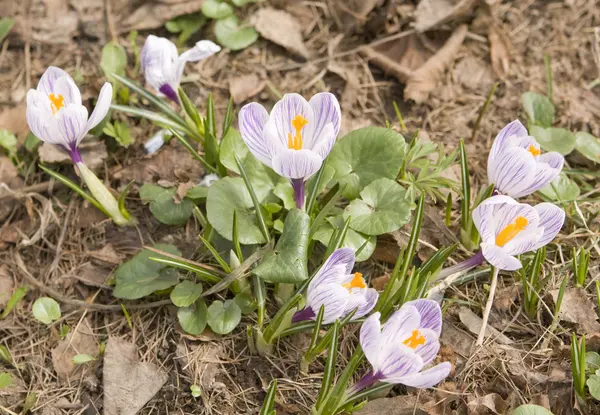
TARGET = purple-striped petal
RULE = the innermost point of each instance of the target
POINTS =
(401, 324)
(48, 80)
(552, 219)
(498, 258)
(430, 349)
(513, 129)
(362, 300)
(549, 166)
(326, 109)
(66, 87)
(159, 62)
(336, 267)
(297, 164)
(525, 241)
(333, 296)
(201, 50)
(71, 124)
(427, 378)
(252, 120)
(483, 215)
(513, 170)
(325, 143)
(431, 314)
(102, 106)
(284, 111)
(370, 339)
(396, 361)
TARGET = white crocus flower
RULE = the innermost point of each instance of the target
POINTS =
(516, 165)
(56, 115)
(163, 66)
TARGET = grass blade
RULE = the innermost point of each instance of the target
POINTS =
(329, 372)
(203, 274)
(155, 117)
(268, 406)
(224, 265)
(193, 151)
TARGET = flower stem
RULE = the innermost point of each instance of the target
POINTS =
(304, 314)
(488, 307)
(366, 381)
(472, 262)
(298, 186)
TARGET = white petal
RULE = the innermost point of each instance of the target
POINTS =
(363, 300)
(512, 129)
(325, 143)
(159, 61)
(401, 324)
(430, 349)
(552, 219)
(514, 171)
(297, 164)
(252, 119)
(66, 87)
(397, 361)
(326, 109)
(370, 339)
(333, 296)
(285, 111)
(71, 124)
(202, 50)
(431, 314)
(102, 106)
(338, 265)
(427, 378)
(549, 166)
(49, 78)
(498, 258)
(507, 213)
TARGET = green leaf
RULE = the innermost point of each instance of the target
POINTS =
(588, 145)
(5, 380)
(164, 206)
(30, 401)
(8, 141)
(285, 192)
(366, 155)
(80, 359)
(197, 193)
(554, 139)
(46, 310)
(352, 240)
(232, 36)
(6, 23)
(216, 9)
(196, 391)
(186, 25)
(287, 262)
(224, 317)
(141, 276)
(186, 293)
(245, 302)
(539, 109)
(193, 319)
(561, 188)
(113, 60)
(592, 361)
(383, 208)
(18, 295)
(225, 196)
(531, 410)
(593, 384)
(5, 355)
(120, 131)
(31, 142)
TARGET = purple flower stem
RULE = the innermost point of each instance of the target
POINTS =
(298, 186)
(304, 314)
(472, 262)
(366, 381)
(169, 93)
(75, 154)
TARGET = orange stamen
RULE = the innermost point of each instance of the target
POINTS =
(56, 102)
(357, 282)
(534, 151)
(295, 142)
(416, 339)
(511, 230)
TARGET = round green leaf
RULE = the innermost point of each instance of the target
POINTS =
(196, 391)
(592, 361)
(245, 302)
(224, 317)
(593, 384)
(531, 410)
(80, 359)
(561, 188)
(225, 196)
(366, 155)
(193, 319)
(113, 60)
(539, 109)
(185, 293)
(6, 380)
(232, 36)
(554, 139)
(353, 239)
(216, 9)
(46, 310)
(382, 208)
(588, 145)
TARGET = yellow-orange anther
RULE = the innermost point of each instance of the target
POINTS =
(416, 339)
(56, 102)
(534, 151)
(511, 230)
(357, 282)
(295, 142)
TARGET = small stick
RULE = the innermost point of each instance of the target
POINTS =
(488, 307)
(483, 110)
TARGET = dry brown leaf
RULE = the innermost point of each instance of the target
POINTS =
(431, 13)
(505, 297)
(399, 405)
(281, 28)
(9, 176)
(500, 47)
(128, 383)
(492, 402)
(107, 253)
(379, 283)
(473, 73)
(13, 119)
(351, 13)
(6, 285)
(473, 322)
(577, 308)
(80, 341)
(244, 87)
(460, 341)
(93, 153)
(91, 274)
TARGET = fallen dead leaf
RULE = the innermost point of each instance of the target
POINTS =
(577, 308)
(432, 13)
(348, 74)
(80, 341)
(473, 73)
(244, 87)
(128, 383)
(505, 298)
(473, 322)
(13, 119)
(399, 405)
(379, 283)
(9, 176)
(492, 401)
(107, 253)
(182, 190)
(500, 47)
(353, 13)
(281, 28)
(6, 285)
(458, 340)
(93, 153)
(91, 274)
